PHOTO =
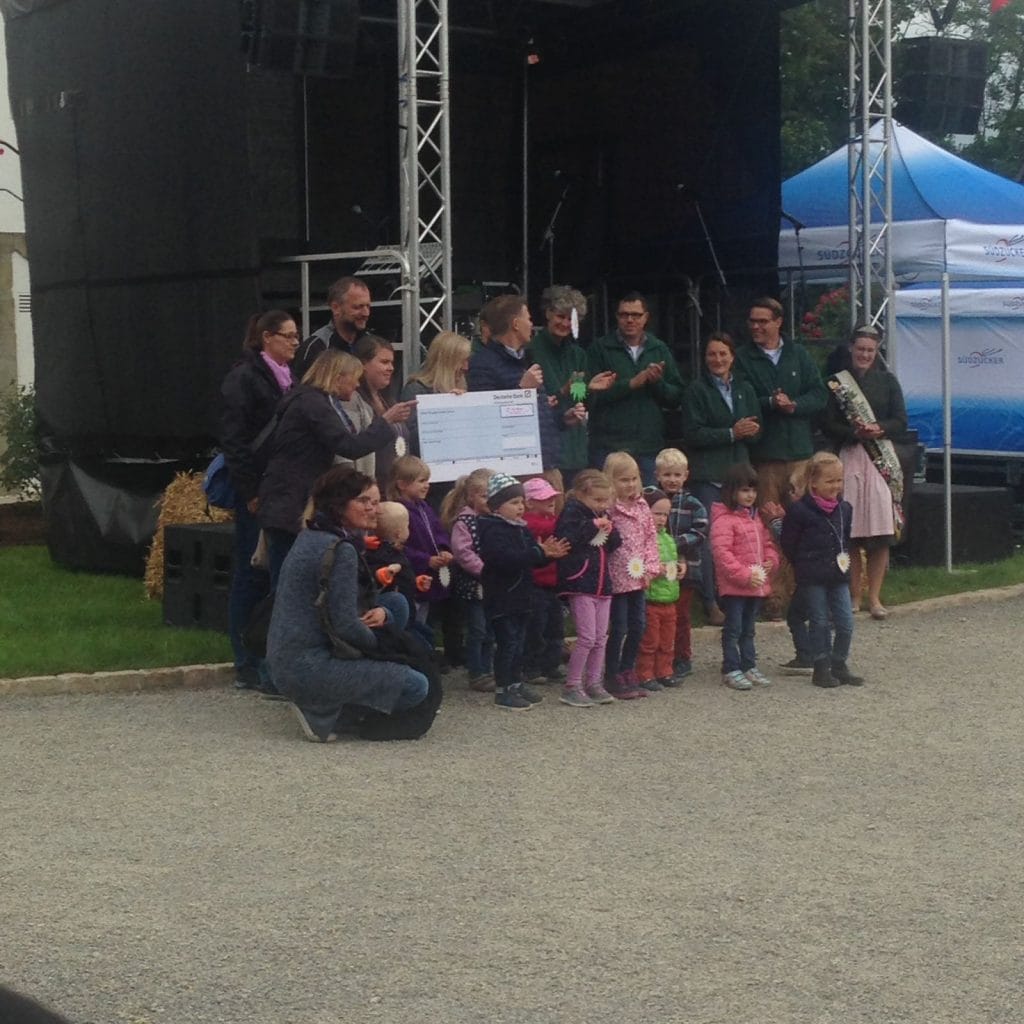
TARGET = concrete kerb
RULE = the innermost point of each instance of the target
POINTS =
(197, 677)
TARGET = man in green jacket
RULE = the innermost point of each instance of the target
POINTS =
(628, 416)
(790, 393)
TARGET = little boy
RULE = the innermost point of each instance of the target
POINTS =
(545, 632)
(509, 553)
(654, 666)
(688, 527)
(390, 566)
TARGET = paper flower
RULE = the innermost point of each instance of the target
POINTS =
(635, 568)
(600, 538)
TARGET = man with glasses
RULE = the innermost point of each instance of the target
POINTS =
(349, 299)
(628, 416)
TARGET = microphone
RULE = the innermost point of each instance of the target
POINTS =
(688, 191)
(798, 225)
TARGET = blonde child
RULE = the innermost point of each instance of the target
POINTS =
(658, 645)
(688, 527)
(459, 511)
(583, 579)
(429, 546)
(632, 565)
(745, 558)
(816, 540)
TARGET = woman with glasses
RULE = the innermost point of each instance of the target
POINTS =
(251, 391)
(312, 430)
(331, 633)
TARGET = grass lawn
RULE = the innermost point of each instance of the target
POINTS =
(55, 620)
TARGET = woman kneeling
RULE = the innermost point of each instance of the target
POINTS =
(330, 632)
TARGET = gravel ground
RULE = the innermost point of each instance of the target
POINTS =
(789, 855)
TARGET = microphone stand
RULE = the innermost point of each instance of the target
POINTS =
(798, 226)
(549, 235)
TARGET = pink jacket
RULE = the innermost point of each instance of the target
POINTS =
(462, 546)
(738, 541)
(633, 519)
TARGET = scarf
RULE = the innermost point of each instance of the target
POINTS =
(827, 505)
(282, 374)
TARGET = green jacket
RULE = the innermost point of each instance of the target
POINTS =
(624, 418)
(786, 436)
(662, 590)
(559, 360)
(884, 395)
(707, 427)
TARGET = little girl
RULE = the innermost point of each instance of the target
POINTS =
(583, 579)
(816, 539)
(429, 546)
(745, 558)
(632, 566)
(459, 511)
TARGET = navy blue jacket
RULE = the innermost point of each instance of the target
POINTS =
(812, 541)
(494, 368)
(585, 569)
(509, 553)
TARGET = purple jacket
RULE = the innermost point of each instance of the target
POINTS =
(427, 537)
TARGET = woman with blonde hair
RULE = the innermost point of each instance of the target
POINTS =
(313, 429)
(443, 373)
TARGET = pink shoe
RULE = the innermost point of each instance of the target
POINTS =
(598, 694)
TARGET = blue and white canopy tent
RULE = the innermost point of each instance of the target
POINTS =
(953, 224)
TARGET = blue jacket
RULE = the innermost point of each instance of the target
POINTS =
(812, 541)
(585, 569)
(509, 553)
(494, 368)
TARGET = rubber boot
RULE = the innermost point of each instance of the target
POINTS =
(823, 676)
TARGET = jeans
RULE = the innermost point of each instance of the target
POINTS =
(738, 651)
(586, 663)
(545, 633)
(628, 620)
(820, 601)
(279, 543)
(796, 620)
(509, 637)
(479, 638)
(396, 606)
(248, 585)
(414, 689)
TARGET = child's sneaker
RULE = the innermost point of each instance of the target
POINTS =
(575, 697)
(737, 680)
(622, 687)
(798, 665)
(531, 695)
(757, 677)
(598, 694)
(652, 685)
(510, 699)
(483, 683)
(556, 675)
(670, 681)
(682, 667)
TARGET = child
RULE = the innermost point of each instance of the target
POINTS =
(459, 511)
(744, 558)
(631, 565)
(545, 632)
(816, 540)
(583, 578)
(429, 546)
(509, 553)
(384, 552)
(658, 644)
(688, 527)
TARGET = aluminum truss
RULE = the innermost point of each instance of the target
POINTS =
(423, 144)
(870, 152)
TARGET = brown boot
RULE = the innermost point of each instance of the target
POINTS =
(716, 617)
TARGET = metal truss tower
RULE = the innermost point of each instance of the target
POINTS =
(423, 144)
(870, 151)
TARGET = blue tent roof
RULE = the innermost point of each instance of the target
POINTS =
(928, 184)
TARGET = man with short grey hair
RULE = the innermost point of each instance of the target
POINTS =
(349, 299)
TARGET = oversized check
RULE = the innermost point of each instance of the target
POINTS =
(496, 429)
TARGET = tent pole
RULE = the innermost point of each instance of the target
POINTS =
(947, 423)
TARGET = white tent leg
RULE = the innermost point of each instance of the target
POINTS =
(947, 423)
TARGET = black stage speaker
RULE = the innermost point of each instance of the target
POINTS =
(305, 37)
(940, 84)
(981, 525)
(197, 574)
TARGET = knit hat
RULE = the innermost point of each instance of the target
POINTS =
(501, 488)
(538, 489)
(652, 495)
